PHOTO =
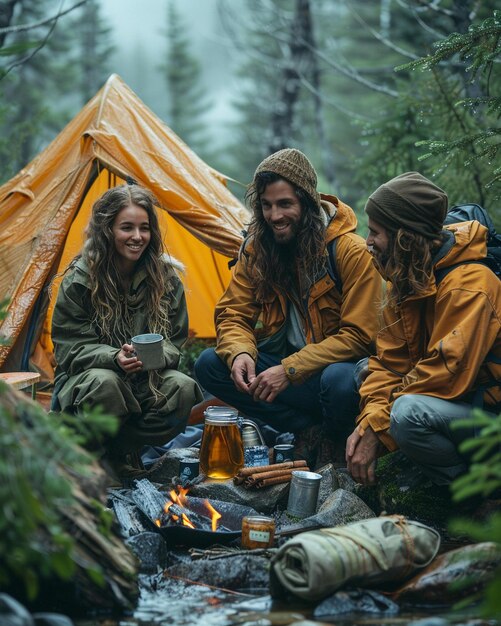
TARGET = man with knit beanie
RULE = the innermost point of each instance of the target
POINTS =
(441, 330)
(288, 336)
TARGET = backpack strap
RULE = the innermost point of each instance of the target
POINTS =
(331, 265)
(233, 261)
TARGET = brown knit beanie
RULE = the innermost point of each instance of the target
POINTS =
(295, 167)
(409, 201)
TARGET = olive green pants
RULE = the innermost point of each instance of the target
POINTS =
(146, 418)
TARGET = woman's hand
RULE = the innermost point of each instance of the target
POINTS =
(127, 360)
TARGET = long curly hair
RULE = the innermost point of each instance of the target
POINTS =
(408, 264)
(282, 267)
(108, 297)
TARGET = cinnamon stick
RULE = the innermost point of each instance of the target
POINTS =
(263, 479)
(275, 480)
(270, 474)
(272, 481)
(248, 471)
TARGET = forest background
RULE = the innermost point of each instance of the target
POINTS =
(367, 90)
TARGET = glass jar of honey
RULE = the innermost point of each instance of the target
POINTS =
(258, 531)
(221, 452)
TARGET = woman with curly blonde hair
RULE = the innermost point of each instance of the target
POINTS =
(122, 285)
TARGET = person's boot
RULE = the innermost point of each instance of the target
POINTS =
(124, 467)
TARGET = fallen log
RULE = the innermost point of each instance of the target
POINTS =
(55, 494)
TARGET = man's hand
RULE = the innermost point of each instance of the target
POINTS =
(362, 450)
(127, 360)
(243, 372)
(267, 385)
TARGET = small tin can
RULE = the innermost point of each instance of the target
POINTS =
(303, 494)
(188, 469)
(255, 456)
(258, 531)
(283, 452)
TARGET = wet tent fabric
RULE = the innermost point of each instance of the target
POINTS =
(45, 208)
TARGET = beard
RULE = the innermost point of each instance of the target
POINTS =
(380, 261)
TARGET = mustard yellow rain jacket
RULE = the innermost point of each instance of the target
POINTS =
(436, 344)
(338, 327)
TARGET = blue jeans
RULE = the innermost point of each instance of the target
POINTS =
(331, 396)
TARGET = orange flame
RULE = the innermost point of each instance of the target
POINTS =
(215, 515)
(186, 521)
(179, 497)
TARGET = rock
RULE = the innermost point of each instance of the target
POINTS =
(355, 601)
(150, 549)
(341, 507)
(345, 480)
(328, 484)
(237, 571)
(470, 568)
(167, 466)
(262, 500)
(51, 619)
(13, 613)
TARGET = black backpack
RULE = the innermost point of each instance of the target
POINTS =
(466, 213)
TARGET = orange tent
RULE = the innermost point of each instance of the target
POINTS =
(44, 210)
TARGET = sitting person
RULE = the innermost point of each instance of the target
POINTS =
(433, 351)
(120, 286)
(288, 336)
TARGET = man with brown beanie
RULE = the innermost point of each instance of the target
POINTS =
(441, 333)
(288, 337)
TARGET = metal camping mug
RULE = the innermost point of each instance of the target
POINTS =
(283, 452)
(149, 350)
(303, 494)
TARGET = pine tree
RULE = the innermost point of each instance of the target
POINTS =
(95, 49)
(472, 135)
(187, 101)
(36, 75)
(427, 114)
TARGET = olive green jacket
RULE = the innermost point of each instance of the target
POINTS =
(78, 344)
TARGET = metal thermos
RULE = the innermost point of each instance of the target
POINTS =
(255, 450)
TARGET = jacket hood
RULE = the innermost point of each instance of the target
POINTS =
(341, 217)
(466, 241)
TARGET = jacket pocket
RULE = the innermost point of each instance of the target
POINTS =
(453, 351)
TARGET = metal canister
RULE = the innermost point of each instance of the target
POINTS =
(258, 531)
(188, 468)
(256, 452)
(303, 494)
(256, 456)
(283, 452)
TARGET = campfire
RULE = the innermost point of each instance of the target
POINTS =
(179, 518)
(176, 509)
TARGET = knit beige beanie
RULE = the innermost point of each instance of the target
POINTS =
(295, 167)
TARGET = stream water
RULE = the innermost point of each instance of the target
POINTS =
(185, 604)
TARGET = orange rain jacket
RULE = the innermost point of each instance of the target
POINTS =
(436, 343)
(338, 327)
